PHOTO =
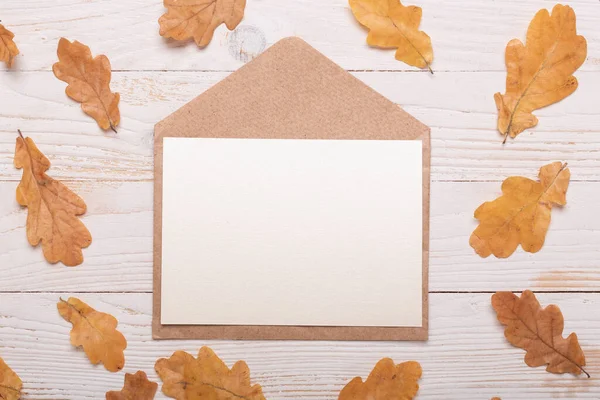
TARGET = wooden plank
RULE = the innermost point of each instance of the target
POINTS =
(466, 35)
(466, 357)
(458, 106)
(120, 257)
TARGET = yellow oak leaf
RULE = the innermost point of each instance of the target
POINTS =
(10, 383)
(539, 73)
(198, 19)
(53, 208)
(392, 25)
(96, 332)
(8, 48)
(88, 82)
(539, 331)
(206, 377)
(137, 387)
(387, 381)
(522, 214)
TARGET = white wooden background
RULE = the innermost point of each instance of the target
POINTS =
(466, 357)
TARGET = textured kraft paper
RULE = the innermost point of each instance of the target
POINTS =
(291, 91)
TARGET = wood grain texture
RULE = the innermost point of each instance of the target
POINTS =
(467, 35)
(120, 258)
(458, 106)
(461, 360)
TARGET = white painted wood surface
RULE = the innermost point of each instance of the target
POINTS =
(466, 357)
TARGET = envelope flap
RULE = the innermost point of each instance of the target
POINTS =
(291, 91)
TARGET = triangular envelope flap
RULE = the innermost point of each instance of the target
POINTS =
(291, 91)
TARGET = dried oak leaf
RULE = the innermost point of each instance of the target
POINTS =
(96, 332)
(198, 19)
(539, 72)
(522, 214)
(538, 331)
(137, 387)
(8, 48)
(53, 208)
(10, 383)
(88, 82)
(386, 382)
(392, 25)
(206, 377)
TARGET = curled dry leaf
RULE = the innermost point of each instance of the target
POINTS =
(88, 82)
(10, 383)
(198, 19)
(522, 214)
(96, 332)
(392, 25)
(206, 377)
(53, 208)
(538, 331)
(386, 382)
(539, 73)
(8, 48)
(137, 387)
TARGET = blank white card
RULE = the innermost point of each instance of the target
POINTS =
(292, 232)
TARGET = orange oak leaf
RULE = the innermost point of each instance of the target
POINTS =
(387, 381)
(53, 208)
(392, 25)
(88, 82)
(522, 214)
(539, 73)
(8, 48)
(538, 331)
(96, 332)
(198, 19)
(137, 387)
(206, 377)
(10, 383)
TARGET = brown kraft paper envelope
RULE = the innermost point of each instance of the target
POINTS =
(291, 91)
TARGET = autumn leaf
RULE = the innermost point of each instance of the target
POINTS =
(538, 331)
(96, 332)
(187, 378)
(386, 382)
(53, 208)
(137, 387)
(539, 73)
(198, 19)
(8, 48)
(88, 82)
(392, 25)
(10, 383)
(522, 214)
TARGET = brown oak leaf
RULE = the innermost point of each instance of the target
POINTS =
(96, 332)
(8, 48)
(206, 377)
(538, 331)
(88, 82)
(392, 25)
(539, 73)
(198, 19)
(387, 381)
(10, 383)
(137, 387)
(522, 214)
(53, 208)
